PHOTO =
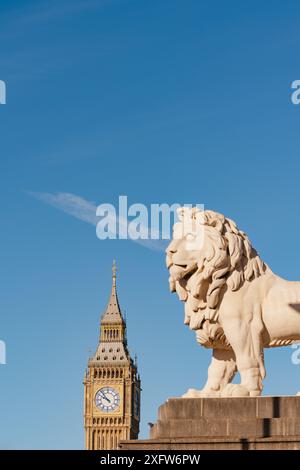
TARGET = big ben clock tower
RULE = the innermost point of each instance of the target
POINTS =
(111, 384)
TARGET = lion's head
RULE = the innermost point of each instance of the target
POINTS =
(207, 255)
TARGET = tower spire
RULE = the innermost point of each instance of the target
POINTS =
(114, 273)
(113, 312)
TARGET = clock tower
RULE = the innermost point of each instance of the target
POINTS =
(111, 384)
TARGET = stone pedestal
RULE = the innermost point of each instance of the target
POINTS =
(224, 424)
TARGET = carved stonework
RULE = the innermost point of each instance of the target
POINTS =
(234, 302)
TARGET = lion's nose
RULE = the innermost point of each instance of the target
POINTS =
(172, 248)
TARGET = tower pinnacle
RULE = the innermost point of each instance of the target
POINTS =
(113, 313)
(114, 273)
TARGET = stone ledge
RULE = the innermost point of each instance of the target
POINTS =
(224, 423)
(248, 407)
(230, 427)
(271, 443)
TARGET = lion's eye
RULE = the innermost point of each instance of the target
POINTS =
(190, 237)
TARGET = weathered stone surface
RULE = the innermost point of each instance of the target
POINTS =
(225, 423)
(273, 443)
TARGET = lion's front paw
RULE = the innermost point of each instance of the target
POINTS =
(235, 390)
(192, 393)
(205, 393)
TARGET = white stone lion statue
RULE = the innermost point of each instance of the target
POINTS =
(234, 302)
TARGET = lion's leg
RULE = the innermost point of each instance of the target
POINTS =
(245, 340)
(221, 371)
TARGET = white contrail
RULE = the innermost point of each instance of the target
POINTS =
(86, 211)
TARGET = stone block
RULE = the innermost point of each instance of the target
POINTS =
(224, 423)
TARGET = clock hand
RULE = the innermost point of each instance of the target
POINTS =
(105, 397)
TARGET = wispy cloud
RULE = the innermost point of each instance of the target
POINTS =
(85, 211)
(71, 204)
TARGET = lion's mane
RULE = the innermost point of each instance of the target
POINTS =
(226, 260)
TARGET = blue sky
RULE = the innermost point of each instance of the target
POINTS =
(162, 101)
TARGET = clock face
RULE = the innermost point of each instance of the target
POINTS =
(107, 399)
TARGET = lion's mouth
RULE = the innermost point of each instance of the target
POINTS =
(182, 270)
(184, 266)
